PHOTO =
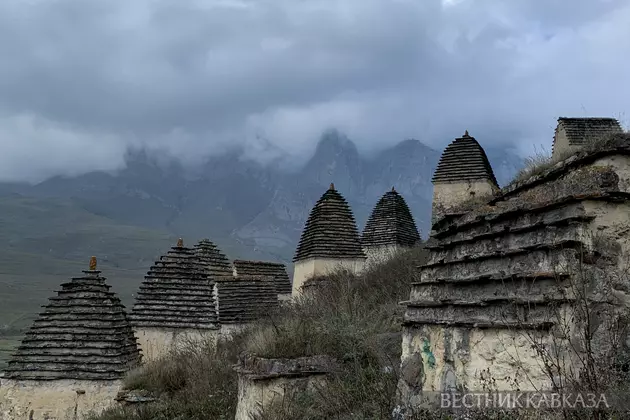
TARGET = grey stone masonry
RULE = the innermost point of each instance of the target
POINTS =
(510, 260)
(243, 299)
(330, 231)
(582, 130)
(177, 293)
(211, 257)
(82, 334)
(464, 160)
(390, 223)
(277, 271)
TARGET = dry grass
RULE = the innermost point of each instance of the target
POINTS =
(193, 383)
(542, 160)
(353, 318)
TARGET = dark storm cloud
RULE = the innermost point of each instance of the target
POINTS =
(81, 80)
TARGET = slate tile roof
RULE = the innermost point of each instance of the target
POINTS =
(390, 223)
(330, 231)
(463, 160)
(212, 259)
(582, 130)
(176, 293)
(277, 271)
(243, 299)
(83, 333)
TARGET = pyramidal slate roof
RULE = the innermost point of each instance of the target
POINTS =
(82, 334)
(277, 271)
(212, 259)
(464, 160)
(176, 293)
(582, 130)
(390, 223)
(242, 299)
(330, 231)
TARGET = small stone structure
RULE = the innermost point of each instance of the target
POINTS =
(500, 272)
(573, 133)
(242, 300)
(175, 304)
(330, 240)
(212, 259)
(263, 382)
(463, 173)
(277, 271)
(390, 228)
(74, 356)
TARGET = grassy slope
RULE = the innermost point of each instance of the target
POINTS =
(356, 319)
(44, 242)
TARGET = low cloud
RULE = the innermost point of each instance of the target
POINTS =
(82, 80)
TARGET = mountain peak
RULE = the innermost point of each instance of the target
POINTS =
(335, 142)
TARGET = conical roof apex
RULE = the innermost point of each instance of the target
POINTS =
(464, 160)
(83, 333)
(390, 223)
(177, 293)
(330, 230)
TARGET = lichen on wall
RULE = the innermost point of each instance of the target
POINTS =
(55, 400)
(502, 275)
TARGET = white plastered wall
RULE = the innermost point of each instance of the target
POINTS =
(451, 194)
(55, 400)
(313, 267)
(158, 342)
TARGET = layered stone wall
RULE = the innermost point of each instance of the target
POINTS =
(330, 240)
(55, 400)
(504, 273)
(176, 301)
(277, 271)
(242, 300)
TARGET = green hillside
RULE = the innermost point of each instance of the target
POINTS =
(44, 242)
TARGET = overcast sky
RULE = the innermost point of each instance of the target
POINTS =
(81, 80)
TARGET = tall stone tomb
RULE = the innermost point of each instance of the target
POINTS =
(463, 173)
(213, 261)
(276, 271)
(330, 240)
(503, 279)
(389, 229)
(175, 303)
(572, 133)
(74, 356)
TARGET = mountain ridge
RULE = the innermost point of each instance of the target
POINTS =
(253, 209)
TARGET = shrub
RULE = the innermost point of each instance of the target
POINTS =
(543, 160)
(356, 319)
(194, 382)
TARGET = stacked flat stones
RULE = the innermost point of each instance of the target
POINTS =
(176, 293)
(464, 160)
(82, 334)
(243, 299)
(390, 224)
(330, 231)
(276, 271)
(582, 130)
(212, 259)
